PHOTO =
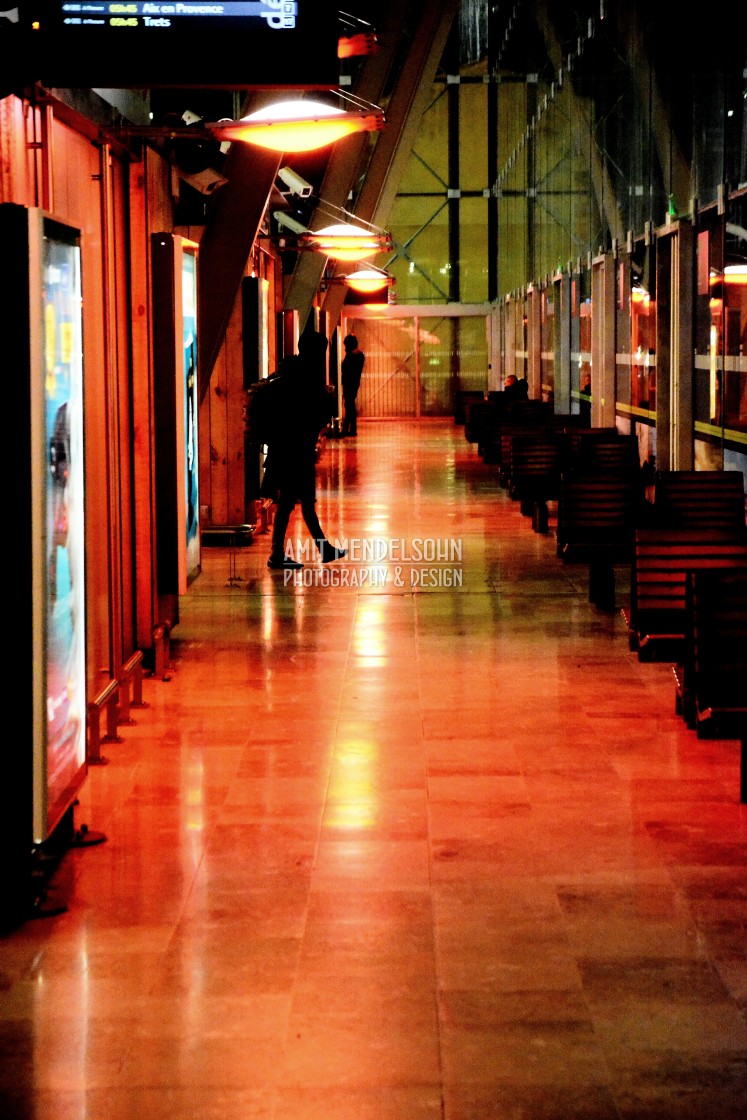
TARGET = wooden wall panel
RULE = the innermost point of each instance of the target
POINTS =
(203, 464)
(17, 177)
(234, 401)
(120, 269)
(143, 492)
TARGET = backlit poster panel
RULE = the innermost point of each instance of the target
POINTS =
(176, 403)
(58, 519)
(189, 354)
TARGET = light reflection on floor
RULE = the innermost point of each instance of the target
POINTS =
(384, 852)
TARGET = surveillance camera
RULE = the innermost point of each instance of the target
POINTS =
(294, 182)
(286, 222)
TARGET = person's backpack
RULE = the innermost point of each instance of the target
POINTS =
(261, 411)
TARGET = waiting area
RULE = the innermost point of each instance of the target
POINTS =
(411, 836)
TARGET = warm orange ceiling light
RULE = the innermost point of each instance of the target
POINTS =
(367, 280)
(735, 273)
(347, 242)
(298, 126)
(732, 274)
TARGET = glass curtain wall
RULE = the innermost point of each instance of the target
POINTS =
(573, 127)
(720, 406)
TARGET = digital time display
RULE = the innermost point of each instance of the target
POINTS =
(278, 15)
(181, 44)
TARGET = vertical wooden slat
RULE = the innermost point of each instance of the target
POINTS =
(218, 442)
(234, 420)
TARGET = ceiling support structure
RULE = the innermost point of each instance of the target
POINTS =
(410, 98)
(582, 131)
(239, 208)
(346, 158)
(226, 243)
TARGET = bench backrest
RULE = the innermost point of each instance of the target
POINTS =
(692, 498)
(580, 434)
(462, 399)
(660, 565)
(599, 453)
(477, 415)
(719, 639)
(536, 458)
(597, 511)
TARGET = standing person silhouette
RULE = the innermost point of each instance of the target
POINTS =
(351, 369)
(302, 406)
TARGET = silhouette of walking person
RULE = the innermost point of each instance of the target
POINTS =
(302, 407)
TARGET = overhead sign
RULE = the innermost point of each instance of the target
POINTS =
(255, 15)
(133, 44)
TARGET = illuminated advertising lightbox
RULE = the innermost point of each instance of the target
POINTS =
(223, 44)
(174, 263)
(43, 337)
(62, 754)
(191, 518)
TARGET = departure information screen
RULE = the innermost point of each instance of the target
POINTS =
(194, 15)
(236, 44)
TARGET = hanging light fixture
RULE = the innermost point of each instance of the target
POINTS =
(344, 241)
(368, 279)
(735, 273)
(301, 125)
(348, 238)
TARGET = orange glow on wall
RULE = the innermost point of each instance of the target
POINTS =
(350, 46)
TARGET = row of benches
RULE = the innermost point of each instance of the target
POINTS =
(683, 535)
(688, 585)
(593, 476)
(688, 606)
(711, 679)
(688, 595)
(602, 518)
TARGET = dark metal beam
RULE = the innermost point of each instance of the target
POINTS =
(226, 243)
(347, 157)
(410, 97)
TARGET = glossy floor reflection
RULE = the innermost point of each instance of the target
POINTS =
(395, 846)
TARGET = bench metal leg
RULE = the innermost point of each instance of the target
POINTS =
(602, 585)
(540, 516)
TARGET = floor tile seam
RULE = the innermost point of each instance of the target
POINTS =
(324, 806)
(432, 904)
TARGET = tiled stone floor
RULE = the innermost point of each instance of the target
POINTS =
(394, 852)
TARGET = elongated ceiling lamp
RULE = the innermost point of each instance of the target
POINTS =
(368, 279)
(300, 125)
(731, 274)
(344, 241)
(735, 273)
